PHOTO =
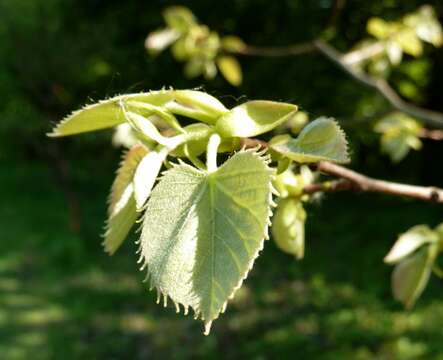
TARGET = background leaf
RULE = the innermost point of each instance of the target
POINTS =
(409, 242)
(411, 276)
(231, 69)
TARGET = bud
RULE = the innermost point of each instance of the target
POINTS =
(288, 227)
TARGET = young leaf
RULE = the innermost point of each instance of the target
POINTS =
(320, 140)
(197, 136)
(146, 174)
(105, 114)
(231, 69)
(196, 105)
(254, 118)
(146, 128)
(409, 242)
(179, 18)
(411, 275)
(232, 43)
(159, 40)
(288, 227)
(202, 232)
(121, 211)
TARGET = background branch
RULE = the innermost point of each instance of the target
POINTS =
(347, 63)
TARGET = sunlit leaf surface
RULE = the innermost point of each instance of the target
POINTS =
(202, 232)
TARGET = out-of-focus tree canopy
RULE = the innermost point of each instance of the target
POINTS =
(56, 55)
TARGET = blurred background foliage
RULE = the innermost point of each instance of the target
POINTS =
(61, 296)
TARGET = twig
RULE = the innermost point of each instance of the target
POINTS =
(431, 134)
(346, 63)
(352, 181)
(359, 182)
(277, 51)
(431, 117)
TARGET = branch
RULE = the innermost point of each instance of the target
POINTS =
(277, 51)
(431, 134)
(347, 63)
(431, 117)
(352, 181)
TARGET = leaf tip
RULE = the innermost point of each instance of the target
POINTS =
(207, 328)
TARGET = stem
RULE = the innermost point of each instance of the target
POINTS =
(350, 180)
(211, 155)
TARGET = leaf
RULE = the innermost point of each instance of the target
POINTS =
(379, 28)
(322, 139)
(146, 174)
(159, 40)
(197, 136)
(105, 114)
(411, 275)
(196, 105)
(288, 227)
(231, 69)
(109, 113)
(409, 42)
(254, 118)
(202, 232)
(399, 134)
(439, 230)
(232, 43)
(121, 211)
(146, 128)
(409, 242)
(179, 18)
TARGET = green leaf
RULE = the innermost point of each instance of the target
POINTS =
(399, 134)
(439, 230)
(109, 113)
(146, 174)
(179, 18)
(409, 42)
(254, 118)
(196, 105)
(197, 136)
(411, 275)
(121, 211)
(379, 28)
(232, 43)
(409, 242)
(288, 227)
(202, 232)
(105, 114)
(231, 69)
(146, 128)
(320, 140)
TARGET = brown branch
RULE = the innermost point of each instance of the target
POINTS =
(431, 134)
(350, 180)
(277, 51)
(346, 63)
(431, 117)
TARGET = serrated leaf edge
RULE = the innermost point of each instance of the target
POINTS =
(197, 313)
